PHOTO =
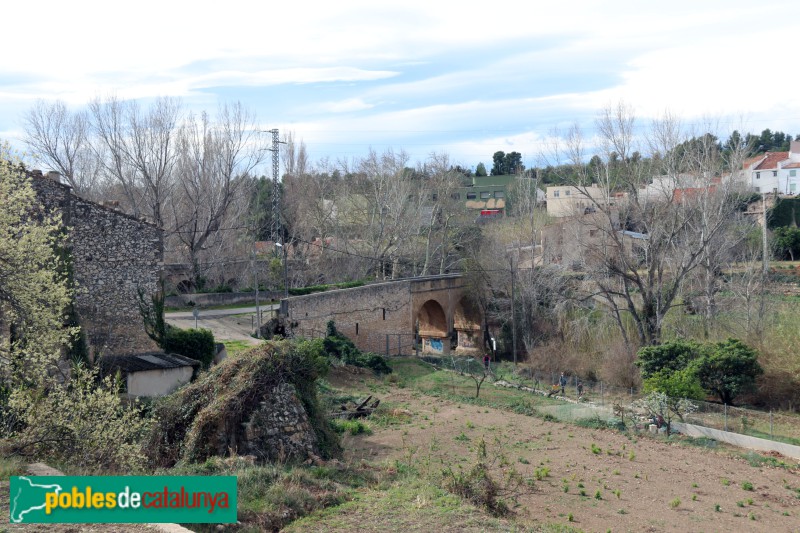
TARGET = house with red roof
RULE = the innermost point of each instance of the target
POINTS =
(776, 171)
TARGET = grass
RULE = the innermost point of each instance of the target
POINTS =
(271, 496)
(11, 466)
(407, 503)
(352, 427)
(235, 347)
(757, 460)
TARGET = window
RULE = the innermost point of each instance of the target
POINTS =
(485, 195)
(434, 197)
(592, 233)
(758, 189)
(499, 194)
(356, 328)
(792, 173)
(384, 313)
(556, 194)
(758, 175)
(455, 196)
(566, 193)
(774, 173)
(471, 196)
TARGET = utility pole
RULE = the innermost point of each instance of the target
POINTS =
(255, 280)
(764, 253)
(276, 191)
(513, 313)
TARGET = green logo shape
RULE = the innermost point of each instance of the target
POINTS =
(122, 499)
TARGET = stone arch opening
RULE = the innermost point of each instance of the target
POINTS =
(467, 320)
(432, 323)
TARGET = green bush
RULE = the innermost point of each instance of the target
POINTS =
(340, 347)
(196, 344)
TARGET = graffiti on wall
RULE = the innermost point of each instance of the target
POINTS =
(466, 339)
(432, 345)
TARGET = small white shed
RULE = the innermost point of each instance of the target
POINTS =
(152, 373)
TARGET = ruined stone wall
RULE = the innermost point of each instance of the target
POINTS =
(279, 430)
(364, 314)
(113, 255)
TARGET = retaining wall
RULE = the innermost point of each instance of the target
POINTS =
(743, 441)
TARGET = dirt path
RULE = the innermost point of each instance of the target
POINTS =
(661, 486)
(233, 327)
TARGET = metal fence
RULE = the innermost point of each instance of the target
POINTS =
(765, 424)
(598, 398)
(386, 344)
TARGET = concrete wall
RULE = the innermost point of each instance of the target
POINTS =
(743, 441)
(564, 201)
(158, 382)
(113, 256)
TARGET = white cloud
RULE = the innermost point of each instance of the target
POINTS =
(345, 106)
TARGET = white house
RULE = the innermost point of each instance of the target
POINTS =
(776, 171)
(150, 374)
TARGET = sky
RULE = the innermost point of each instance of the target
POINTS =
(463, 78)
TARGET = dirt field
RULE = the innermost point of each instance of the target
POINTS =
(630, 484)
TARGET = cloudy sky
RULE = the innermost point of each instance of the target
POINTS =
(467, 78)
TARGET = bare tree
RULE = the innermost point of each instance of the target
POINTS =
(59, 139)
(214, 161)
(136, 150)
(645, 243)
(380, 211)
(442, 208)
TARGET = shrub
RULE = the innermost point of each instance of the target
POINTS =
(83, 423)
(197, 344)
(340, 347)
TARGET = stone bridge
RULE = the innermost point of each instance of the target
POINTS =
(394, 317)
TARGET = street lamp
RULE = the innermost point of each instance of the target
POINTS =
(285, 271)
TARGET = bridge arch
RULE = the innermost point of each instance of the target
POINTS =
(433, 328)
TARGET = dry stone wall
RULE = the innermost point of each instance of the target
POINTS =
(113, 256)
(279, 430)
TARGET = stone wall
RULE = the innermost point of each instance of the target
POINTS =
(279, 430)
(383, 317)
(364, 314)
(113, 256)
(207, 299)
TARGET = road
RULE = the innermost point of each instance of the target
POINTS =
(225, 324)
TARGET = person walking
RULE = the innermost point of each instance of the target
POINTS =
(563, 382)
(486, 360)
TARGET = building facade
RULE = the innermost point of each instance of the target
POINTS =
(776, 172)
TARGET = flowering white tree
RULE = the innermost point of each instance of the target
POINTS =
(661, 405)
(48, 410)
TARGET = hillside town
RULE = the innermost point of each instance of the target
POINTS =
(400, 294)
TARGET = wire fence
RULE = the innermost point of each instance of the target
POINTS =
(611, 400)
(386, 344)
(591, 399)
